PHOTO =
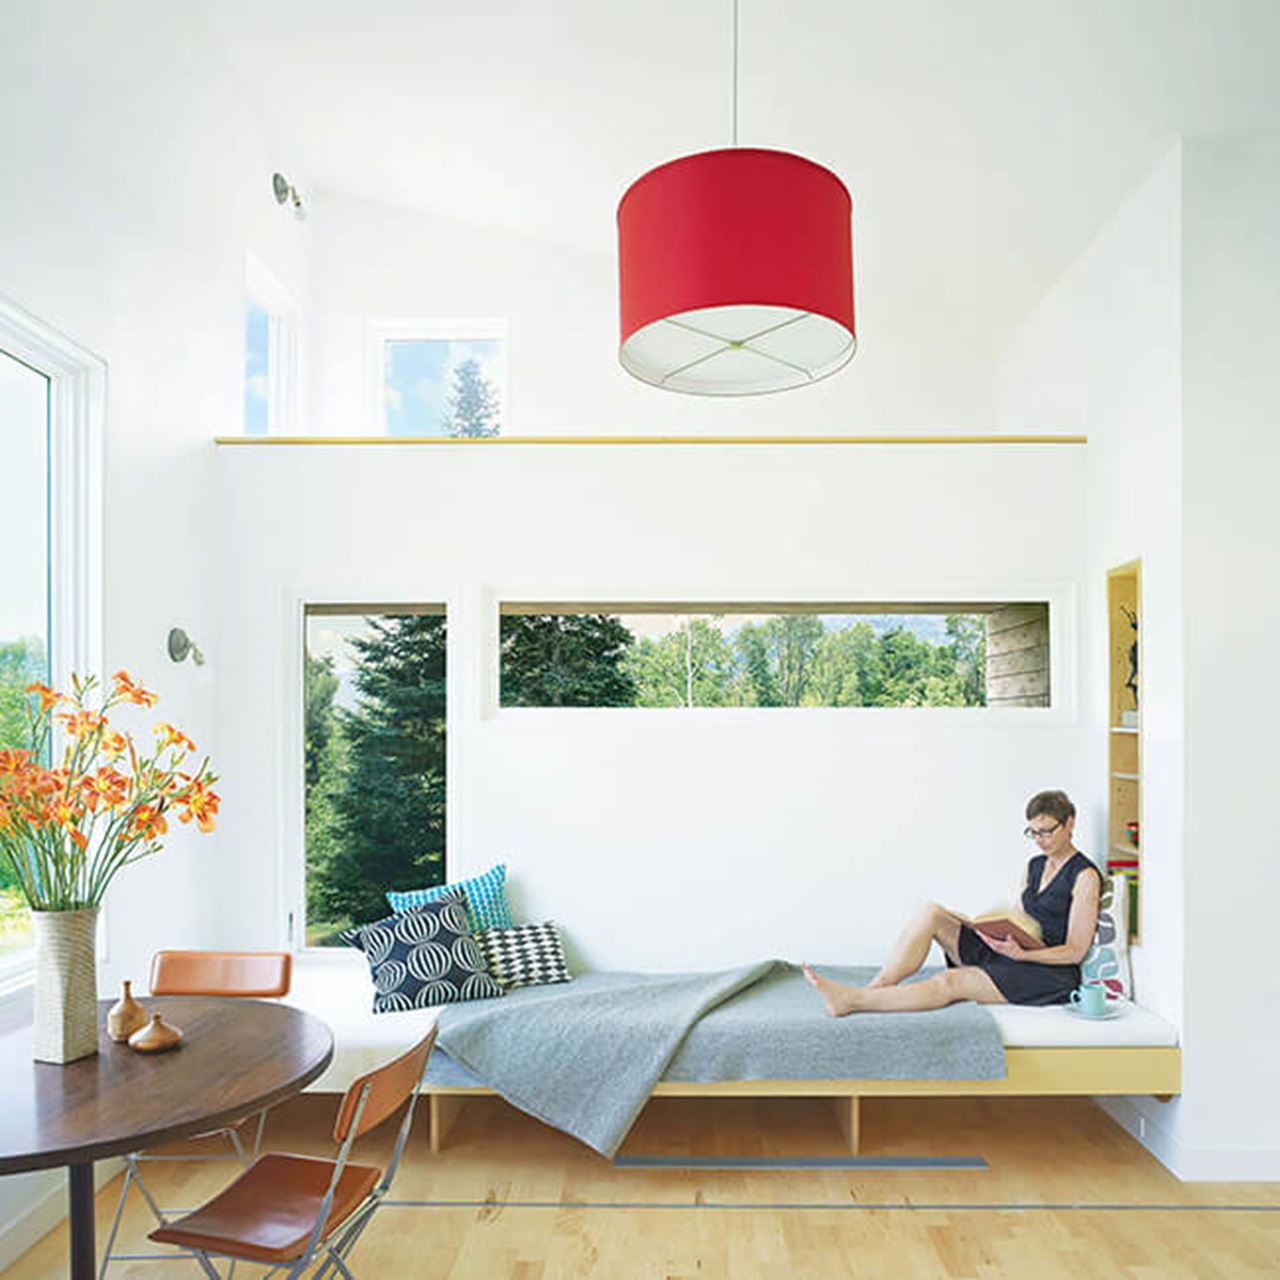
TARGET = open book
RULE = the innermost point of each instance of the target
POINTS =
(1010, 922)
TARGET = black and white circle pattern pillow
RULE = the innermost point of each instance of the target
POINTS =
(423, 957)
(526, 955)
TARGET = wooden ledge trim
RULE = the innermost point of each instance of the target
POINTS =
(499, 441)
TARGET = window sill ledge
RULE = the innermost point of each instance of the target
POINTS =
(17, 1006)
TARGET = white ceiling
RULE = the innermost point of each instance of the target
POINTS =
(984, 141)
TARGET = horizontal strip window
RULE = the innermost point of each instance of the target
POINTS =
(766, 654)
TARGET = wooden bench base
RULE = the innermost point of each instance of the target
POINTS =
(1029, 1072)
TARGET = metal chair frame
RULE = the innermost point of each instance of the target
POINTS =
(334, 1248)
(133, 1173)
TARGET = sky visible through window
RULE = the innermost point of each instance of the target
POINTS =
(420, 376)
(24, 515)
(257, 369)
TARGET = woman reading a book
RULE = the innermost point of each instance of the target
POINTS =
(1060, 895)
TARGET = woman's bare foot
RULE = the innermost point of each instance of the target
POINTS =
(839, 999)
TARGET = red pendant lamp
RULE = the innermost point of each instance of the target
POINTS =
(736, 271)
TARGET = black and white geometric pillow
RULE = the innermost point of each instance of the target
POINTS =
(424, 957)
(526, 955)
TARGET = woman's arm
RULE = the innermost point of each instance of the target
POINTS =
(1082, 923)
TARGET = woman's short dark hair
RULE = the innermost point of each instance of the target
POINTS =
(1051, 804)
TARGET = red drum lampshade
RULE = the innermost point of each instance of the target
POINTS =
(736, 273)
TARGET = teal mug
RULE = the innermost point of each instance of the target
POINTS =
(1090, 999)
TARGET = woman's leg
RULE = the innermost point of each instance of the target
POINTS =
(932, 924)
(966, 983)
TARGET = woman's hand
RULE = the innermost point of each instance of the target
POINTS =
(1007, 947)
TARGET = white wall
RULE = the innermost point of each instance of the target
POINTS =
(561, 307)
(1160, 341)
(130, 236)
(1231, 532)
(1101, 353)
(133, 182)
(752, 833)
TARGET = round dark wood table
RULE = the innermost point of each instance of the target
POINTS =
(236, 1057)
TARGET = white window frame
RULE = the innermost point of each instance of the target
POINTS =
(284, 347)
(380, 332)
(77, 435)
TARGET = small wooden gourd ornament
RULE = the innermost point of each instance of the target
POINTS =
(156, 1036)
(125, 1016)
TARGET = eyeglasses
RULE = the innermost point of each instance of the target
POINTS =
(1040, 833)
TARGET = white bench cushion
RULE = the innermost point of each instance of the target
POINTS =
(337, 989)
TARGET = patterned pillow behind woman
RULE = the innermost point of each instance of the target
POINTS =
(1108, 958)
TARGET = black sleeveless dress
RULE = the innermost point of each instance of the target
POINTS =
(1025, 981)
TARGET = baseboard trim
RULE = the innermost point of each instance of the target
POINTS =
(45, 1211)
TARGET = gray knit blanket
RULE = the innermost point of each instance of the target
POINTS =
(584, 1056)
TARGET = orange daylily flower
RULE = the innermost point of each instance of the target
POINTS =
(107, 785)
(114, 744)
(80, 724)
(66, 814)
(148, 823)
(48, 697)
(200, 803)
(171, 737)
(129, 690)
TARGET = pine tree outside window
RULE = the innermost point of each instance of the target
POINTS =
(374, 759)
(438, 378)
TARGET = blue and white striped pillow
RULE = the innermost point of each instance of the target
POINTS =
(485, 894)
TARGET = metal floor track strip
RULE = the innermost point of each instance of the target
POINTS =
(799, 1162)
(841, 1207)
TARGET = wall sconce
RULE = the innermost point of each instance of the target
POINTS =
(287, 193)
(181, 646)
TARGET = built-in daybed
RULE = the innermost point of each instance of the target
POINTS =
(1045, 1051)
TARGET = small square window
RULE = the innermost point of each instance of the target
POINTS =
(439, 378)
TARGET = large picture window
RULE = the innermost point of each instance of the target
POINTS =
(374, 690)
(52, 406)
(24, 598)
(770, 655)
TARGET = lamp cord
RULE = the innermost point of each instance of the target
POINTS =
(735, 72)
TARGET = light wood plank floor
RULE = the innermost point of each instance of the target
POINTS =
(1067, 1194)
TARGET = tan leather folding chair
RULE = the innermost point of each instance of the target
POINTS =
(289, 1211)
(261, 974)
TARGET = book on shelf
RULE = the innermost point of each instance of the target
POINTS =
(1010, 922)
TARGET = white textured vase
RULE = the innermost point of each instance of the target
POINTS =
(66, 1012)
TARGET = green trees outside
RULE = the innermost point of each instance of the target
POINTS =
(471, 408)
(692, 667)
(375, 796)
(797, 660)
(565, 660)
(21, 662)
